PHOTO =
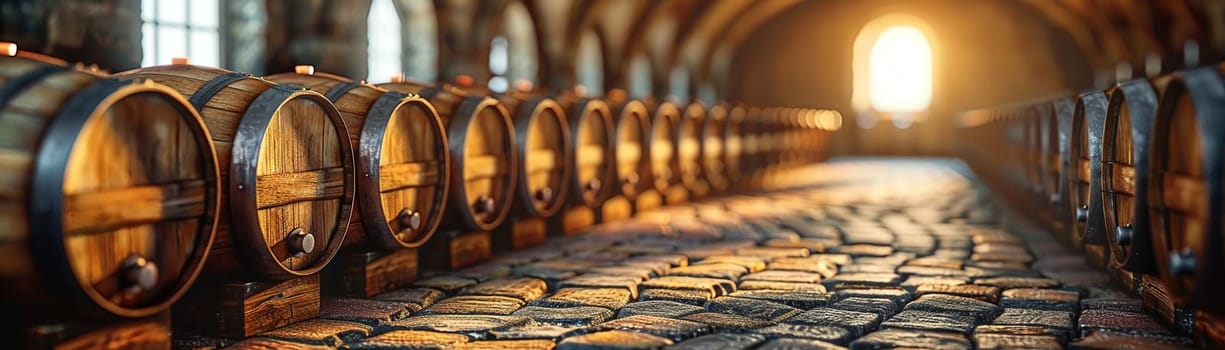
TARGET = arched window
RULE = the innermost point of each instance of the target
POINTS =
(384, 54)
(639, 77)
(678, 83)
(419, 39)
(180, 28)
(892, 72)
(512, 52)
(590, 65)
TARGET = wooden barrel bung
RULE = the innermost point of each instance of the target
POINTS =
(1128, 127)
(591, 130)
(688, 147)
(733, 145)
(484, 164)
(1185, 191)
(664, 137)
(542, 137)
(1084, 185)
(714, 140)
(402, 159)
(110, 191)
(633, 162)
(286, 164)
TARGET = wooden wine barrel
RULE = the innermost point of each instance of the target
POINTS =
(733, 145)
(542, 137)
(1033, 149)
(714, 166)
(1049, 162)
(591, 130)
(688, 147)
(664, 137)
(1060, 165)
(1125, 173)
(1188, 179)
(1084, 185)
(286, 164)
(402, 157)
(484, 163)
(108, 192)
(633, 162)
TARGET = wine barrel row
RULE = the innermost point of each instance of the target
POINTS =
(120, 190)
(1135, 172)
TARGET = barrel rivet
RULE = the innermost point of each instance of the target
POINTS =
(1123, 234)
(139, 274)
(631, 178)
(409, 220)
(300, 242)
(594, 186)
(1182, 263)
(1082, 214)
(544, 194)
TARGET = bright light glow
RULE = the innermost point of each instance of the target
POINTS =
(383, 50)
(900, 71)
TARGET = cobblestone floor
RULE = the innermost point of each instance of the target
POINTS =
(857, 253)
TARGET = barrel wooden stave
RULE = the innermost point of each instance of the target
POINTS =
(284, 162)
(132, 260)
(401, 144)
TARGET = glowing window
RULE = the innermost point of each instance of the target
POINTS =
(384, 54)
(900, 71)
(180, 28)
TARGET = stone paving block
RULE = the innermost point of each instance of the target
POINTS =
(580, 316)
(884, 308)
(659, 308)
(783, 276)
(446, 284)
(638, 273)
(814, 246)
(895, 259)
(1127, 304)
(552, 278)
(260, 343)
(599, 257)
(983, 312)
(855, 249)
(673, 329)
(1117, 340)
(1061, 337)
(769, 253)
(609, 298)
(750, 263)
(1120, 322)
(713, 270)
(530, 330)
(874, 279)
(934, 271)
(1062, 320)
(913, 282)
(867, 268)
(409, 339)
(782, 286)
(507, 345)
(979, 292)
(857, 323)
(798, 343)
(1017, 282)
(687, 296)
(613, 339)
(715, 286)
(1002, 256)
(374, 313)
(522, 288)
(321, 332)
(898, 295)
(415, 299)
(643, 249)
(1043, 299)
(474, 305)
(903, 338)
(832, 334)
(721, 341)
(603, 281)
(472, 326)
(673, 260)
(933, 261)
(931, 321)
(484, 272)
(755, 308)
(797, 299)
(725, 322)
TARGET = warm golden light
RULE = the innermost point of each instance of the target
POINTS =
(900, 71)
